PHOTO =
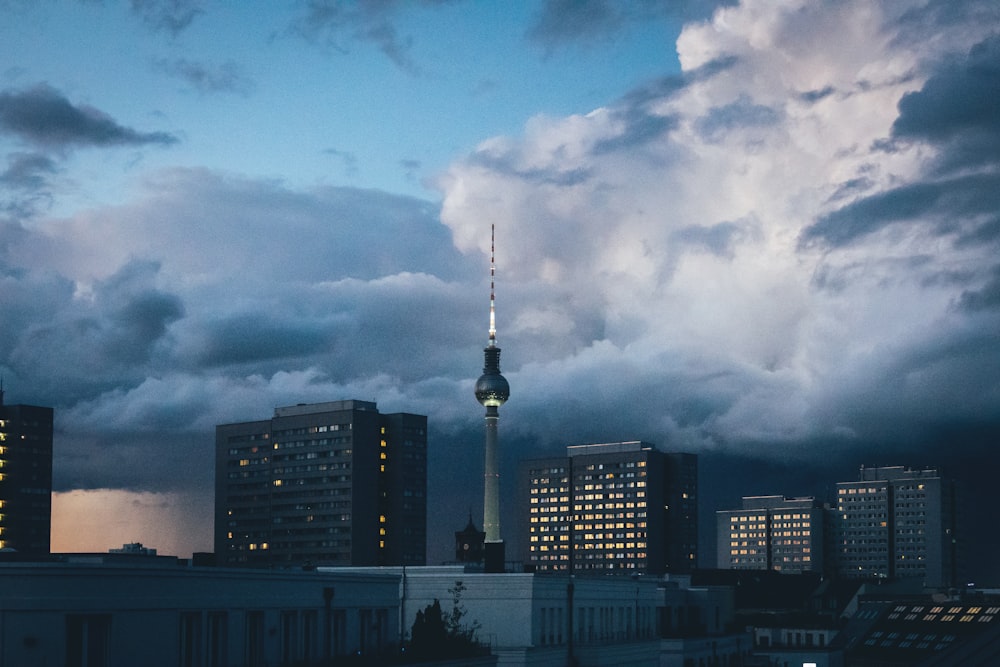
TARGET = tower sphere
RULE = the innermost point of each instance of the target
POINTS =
(492, 389)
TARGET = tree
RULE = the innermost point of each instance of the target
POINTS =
(436, 635)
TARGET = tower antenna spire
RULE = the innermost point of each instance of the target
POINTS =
(493, 273)
(492, 391)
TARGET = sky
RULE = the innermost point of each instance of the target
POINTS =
(766, 232)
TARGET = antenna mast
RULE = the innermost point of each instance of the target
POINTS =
(493, 271)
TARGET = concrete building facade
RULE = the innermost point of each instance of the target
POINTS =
(25, 478)
(616, 507)
(554, 619)
(99, 613)
(771, 533)
(332, 483)
(897, 522)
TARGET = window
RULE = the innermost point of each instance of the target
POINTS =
(217, 639)
(87, 640)
(254, 648)
(190, 638)
(290, 649)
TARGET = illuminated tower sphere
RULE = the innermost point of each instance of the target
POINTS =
(492, 391)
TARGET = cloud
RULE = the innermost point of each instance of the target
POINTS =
(785, 255)
(129, 321)
(746, 272)
(227, 77)
(172, 16)
(560, 22)
(44, 117)
(336, 25)
(349, 159)
(27, 182)
(27, 171)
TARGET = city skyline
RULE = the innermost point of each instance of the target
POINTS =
(761, 232)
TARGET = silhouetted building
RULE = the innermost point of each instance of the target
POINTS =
(25, 478)
(771, 533)
(469, 543)
(622, 506)
(895, 522)
(333, 483)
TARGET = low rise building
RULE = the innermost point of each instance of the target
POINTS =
(94, 613)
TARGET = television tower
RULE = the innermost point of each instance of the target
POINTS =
(492, 391)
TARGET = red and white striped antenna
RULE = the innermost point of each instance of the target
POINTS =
(493, 269)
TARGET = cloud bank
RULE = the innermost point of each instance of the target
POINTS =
(786, 253)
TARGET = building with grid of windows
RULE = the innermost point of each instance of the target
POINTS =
(623, 506)
(897, 522)
(332, 483)
(772, 533)
(25, 477)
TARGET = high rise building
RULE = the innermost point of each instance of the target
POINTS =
(492, 391)
(332, 483)
(25, 477)
(771, 533)
(897, 522)
(623, 506)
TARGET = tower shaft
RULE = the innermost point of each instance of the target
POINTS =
(491, 478)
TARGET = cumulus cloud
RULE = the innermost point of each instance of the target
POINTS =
(42, 116)
(130, 322)
(227, 77)
(768, 258)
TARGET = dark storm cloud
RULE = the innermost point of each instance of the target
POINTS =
(43, 116)
(137, 312)
(986, 298)
(949, 206)
(904, 397)
(70, 346)
(171, 16)
(227, 77)
(958, 111)
(584, 21)
(165, 456)
(259, 338)
(962, 96)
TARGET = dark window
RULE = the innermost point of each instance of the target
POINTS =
(217, 638)
(87, 640)
(190, 639)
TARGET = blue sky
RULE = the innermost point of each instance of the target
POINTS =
(289, 92)
(765, 232)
